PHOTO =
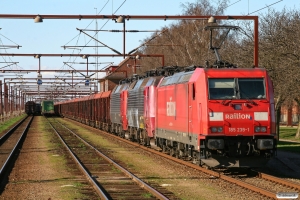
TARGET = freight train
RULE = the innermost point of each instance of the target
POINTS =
(44, 108)
(32, 108)
(212, 116)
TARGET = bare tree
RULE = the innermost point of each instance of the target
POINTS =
(187, 43)
(280, 54)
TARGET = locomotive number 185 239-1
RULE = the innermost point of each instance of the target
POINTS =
(231, 129)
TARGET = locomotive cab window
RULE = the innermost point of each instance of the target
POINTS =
(222, 88)
(239, 88)
(164, 81)
(251, 88)
(138, 84)
(150, 81)
(118, 88)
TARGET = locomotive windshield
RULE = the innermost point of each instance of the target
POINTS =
(238, 88)
(222, 88)
(251, 88)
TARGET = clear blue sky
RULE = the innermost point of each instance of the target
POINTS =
(49, 36)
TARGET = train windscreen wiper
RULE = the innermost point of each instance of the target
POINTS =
(247, 98)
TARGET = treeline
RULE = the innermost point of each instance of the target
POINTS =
(186, 43)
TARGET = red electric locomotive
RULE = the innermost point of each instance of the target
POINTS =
(220, 117)
(133, 108)
(118, 108)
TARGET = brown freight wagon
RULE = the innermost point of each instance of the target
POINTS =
(93, 110)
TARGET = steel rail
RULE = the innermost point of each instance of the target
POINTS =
(82, 168)
(12, 153)
(278, 180)
(209, 172)
(212, 173)
(144, 185)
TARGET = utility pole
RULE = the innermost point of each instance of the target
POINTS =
(96, 49)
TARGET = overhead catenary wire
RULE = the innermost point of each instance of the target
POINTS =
(9, 58)
(80, 33)
(95, 33)
(100, 42)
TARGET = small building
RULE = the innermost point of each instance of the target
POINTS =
(290, 115)
(114, 74)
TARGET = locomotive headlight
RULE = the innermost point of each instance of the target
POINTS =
(220, 129)
(213, 129)
(257, 129)
(263, 129)
(215, 144)
(265, 144)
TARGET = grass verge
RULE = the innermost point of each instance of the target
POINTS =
(288, 133)
(5, 126)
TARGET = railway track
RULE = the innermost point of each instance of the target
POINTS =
(264, 184)
(10, 143)
(110, 180)
(264, 181)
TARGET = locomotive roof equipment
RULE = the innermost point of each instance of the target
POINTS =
(219, 62)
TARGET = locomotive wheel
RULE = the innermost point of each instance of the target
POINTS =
(164, 148)
(112, 128)
(130, 134)
(120, 130)
(201, 163)
(122, 134)
(142, 137)
(134, 135)
(173, 152)
(105, 127)
(147, 141)
(138, 136)
(177, 154)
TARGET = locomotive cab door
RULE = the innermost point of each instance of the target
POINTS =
(191, 101)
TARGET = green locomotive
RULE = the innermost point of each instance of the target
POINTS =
(47, 107)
